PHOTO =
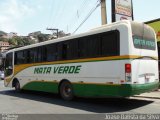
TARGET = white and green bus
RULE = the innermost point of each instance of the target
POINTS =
(115, 60)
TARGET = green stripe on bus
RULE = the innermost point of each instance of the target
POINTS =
(51, 87)
(95, 90)
(125, 90)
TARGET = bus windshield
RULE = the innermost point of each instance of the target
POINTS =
(143, 36)
(9, 64)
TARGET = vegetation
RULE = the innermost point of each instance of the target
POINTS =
(18, 41)
(3, 39)
(42, 37)
(31, 39)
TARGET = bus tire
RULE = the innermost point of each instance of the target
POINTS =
(66, 90)
(17, 86)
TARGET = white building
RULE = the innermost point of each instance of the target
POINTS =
(4, 46)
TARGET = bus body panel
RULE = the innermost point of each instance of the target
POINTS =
(90, 72)
(144, 71)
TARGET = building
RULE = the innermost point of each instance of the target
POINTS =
(4, 46)
(12, 34)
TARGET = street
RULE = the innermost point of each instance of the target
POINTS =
(43, 103)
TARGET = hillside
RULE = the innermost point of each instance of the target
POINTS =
(2, 33)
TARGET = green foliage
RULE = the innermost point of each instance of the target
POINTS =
(42, 37)
(19, 41)
(3, 39)
(23, 41)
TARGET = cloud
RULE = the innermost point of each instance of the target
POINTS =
(12, 13)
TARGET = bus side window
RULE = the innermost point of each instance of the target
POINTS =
(25, 55)
(44, 53)
(72, 50)
(19, 57)
(15, 58)
(94, 45)
(32, 55)
(89, 47)
(39, 54)
(64, 51)
(110, 43)
(82, 47)
(51, 52)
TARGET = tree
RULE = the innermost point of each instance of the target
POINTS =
(42, 37)
(13, 42)
(20, 41)
(3, 39)
(27, 41)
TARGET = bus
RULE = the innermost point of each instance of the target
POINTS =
(116, 60)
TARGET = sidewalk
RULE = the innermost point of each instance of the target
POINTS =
(154, 95)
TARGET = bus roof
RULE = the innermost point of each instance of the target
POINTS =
(93, 31)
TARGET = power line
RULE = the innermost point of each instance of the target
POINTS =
(58, 9)
(75, 18)
(90, 13)
(58, 16)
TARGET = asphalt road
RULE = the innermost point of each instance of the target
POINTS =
(44, 103)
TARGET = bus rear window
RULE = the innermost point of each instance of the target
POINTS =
(143, 36)
(142, 43)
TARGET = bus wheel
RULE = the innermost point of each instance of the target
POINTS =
(17, 86)
(66, 90)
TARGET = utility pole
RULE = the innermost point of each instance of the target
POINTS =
(53, 29)
(103, 12)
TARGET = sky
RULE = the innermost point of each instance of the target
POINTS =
(26, 16)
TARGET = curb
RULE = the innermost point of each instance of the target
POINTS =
(147, 97)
